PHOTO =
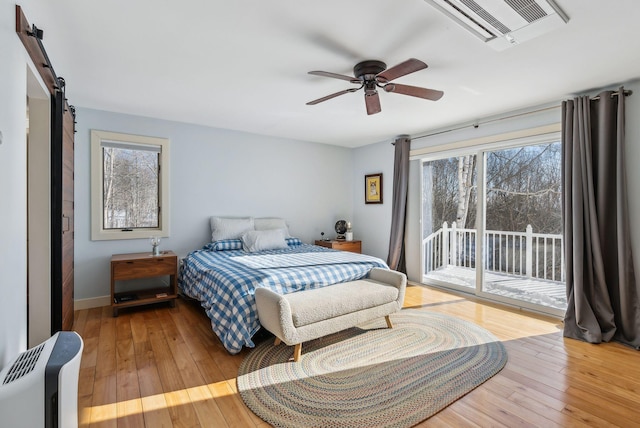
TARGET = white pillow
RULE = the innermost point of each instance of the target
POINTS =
(258, 240)
(270, 223)
(229, 227)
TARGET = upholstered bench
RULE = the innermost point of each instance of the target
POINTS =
(306, 315)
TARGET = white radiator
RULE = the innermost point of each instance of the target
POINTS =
(39, 387)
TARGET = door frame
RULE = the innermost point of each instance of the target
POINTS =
(38, 211)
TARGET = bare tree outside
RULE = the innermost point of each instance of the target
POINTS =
(523, 188)
(130, 186)
(466, 183)
(449, 193)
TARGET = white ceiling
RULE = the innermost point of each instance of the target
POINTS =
(243, 64)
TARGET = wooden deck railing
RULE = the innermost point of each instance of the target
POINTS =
(526, 254)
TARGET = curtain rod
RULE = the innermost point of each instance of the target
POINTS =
(614, 94)
(399, 137)
(476, 124)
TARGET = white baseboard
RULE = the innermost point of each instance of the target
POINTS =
(94, 302)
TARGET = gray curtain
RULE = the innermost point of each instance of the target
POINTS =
(395, 259)
(602, 292)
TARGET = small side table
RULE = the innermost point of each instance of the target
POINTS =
(353, 246)
(143, 265)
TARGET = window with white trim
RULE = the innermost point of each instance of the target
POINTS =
(129, 186)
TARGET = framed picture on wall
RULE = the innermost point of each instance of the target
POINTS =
(373, 188)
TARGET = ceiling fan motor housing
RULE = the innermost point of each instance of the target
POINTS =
(367, 70)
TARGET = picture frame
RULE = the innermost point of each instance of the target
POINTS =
(373, 188)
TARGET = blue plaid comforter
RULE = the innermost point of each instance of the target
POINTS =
(224, 282)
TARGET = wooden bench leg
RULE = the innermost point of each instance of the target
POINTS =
(277, 341)
(297, 351)
(389, 324)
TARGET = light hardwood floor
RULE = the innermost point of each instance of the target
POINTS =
(164, 367)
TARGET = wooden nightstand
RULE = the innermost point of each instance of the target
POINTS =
(353, 246)
(143, 265)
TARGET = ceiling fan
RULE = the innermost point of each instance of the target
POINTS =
(372, 74)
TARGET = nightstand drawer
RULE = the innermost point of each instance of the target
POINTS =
(144, 268)
(353, 246)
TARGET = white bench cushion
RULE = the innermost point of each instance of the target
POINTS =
(312, 306)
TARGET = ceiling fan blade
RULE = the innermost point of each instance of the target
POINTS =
(372, 100)
(414, 91)
(409, 66)
(335, 76)
(328, 97)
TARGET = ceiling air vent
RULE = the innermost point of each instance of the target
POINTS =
(503, 23)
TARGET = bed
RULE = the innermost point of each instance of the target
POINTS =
(224, 274)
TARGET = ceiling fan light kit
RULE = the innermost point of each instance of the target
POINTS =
(373, 74)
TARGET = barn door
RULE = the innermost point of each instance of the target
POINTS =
(62, 138)
(62, 209)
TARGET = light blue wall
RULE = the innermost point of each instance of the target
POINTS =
(13, 188)
(372, 222)
(214, 172)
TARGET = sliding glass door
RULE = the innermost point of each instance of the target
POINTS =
(449, 195)
(501, 205)
(523, 237)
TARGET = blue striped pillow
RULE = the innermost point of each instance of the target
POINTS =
(224, 245)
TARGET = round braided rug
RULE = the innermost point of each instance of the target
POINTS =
(371, 376)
